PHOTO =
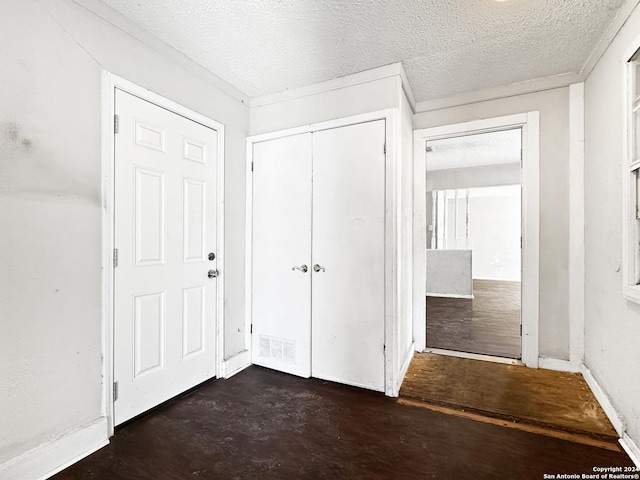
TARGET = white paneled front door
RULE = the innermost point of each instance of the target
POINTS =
(349, 254)
(281, 268)
(165, 235)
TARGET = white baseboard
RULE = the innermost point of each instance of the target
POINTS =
(237, 363)
(604, 401)
(631, 448)
(448, 295)
(46, 460)
(558, 365)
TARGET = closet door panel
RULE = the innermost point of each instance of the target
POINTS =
(281, 289)
(348, 247)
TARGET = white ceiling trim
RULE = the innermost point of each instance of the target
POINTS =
(386, 71)
(539, 84)
(609, 34)
(122, 23)
(504, 91)
(408, 91)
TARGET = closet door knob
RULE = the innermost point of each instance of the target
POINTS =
(302, 268)
(317, 268)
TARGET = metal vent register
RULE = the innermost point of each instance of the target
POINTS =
(278, 349)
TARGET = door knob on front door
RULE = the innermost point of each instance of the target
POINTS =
(212, 273)
(317, 268)
(302, 268)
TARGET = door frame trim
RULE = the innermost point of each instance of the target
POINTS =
(392, 373)
(109, 84)
(529, 123)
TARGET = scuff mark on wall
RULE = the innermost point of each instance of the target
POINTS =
(11, 132)
(12, 138)
(33, 173)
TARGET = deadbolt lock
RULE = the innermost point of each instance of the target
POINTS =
(212, 256)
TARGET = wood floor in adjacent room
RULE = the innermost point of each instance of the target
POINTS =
(488, 324)
(262, 424)
(558, 404)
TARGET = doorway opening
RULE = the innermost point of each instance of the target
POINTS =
(474, 232)
(524, 131)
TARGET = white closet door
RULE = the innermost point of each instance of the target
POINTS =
(281, 286)
(348, 247)
(165, 229)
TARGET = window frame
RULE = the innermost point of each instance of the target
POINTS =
(631, 175)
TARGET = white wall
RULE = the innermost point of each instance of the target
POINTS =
(405, 323)
(52, 59)
(485, 176)
(553, 106)
(612, 324)
(494, 232)
(343, 102)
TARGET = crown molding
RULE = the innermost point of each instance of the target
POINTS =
(386, 71)
(504, 91)
(406, 87)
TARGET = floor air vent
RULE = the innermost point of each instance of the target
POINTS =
(278, 349)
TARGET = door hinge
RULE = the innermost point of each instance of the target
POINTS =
(115, 257)
(384, 349)
(251, 328)
(384, 149)
(252, 166)
(115, 391)
(116, 124)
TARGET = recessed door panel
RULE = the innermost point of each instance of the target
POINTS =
(150, 136)
(193, 320)
(149, 345)
(194, 217)
(195, 150)
(165, 225)
(149, 216)
(281, 275)
(348, 254)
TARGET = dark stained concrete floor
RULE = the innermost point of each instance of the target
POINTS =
(262, 424)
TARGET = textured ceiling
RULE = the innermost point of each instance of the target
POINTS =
(446, 46)
(495, 148)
